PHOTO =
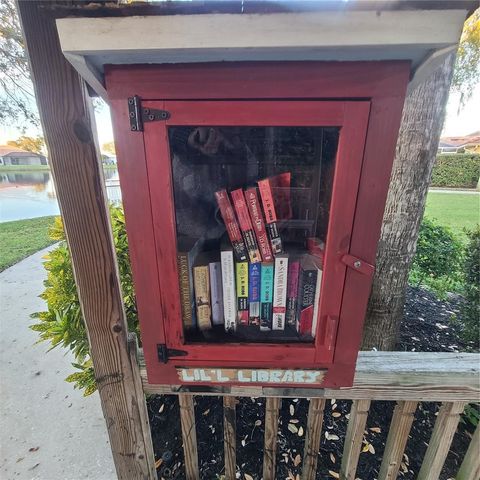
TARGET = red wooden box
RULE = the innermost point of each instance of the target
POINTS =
(346, 114)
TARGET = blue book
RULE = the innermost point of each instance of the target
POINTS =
(266, 297)
(254, 276)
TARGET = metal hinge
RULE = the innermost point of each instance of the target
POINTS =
(165, 353)
(139, 115)
(359, 265)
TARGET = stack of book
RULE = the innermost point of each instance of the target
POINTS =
(251, 281)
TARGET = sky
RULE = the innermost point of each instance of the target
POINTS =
(457, 123)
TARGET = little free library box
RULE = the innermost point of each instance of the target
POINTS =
(255, 144)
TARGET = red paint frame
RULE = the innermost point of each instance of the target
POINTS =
(383, 84)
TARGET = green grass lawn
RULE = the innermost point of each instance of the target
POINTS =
(22, 238)
(454, 210)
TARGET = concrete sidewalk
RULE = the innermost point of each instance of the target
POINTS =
(48, 430)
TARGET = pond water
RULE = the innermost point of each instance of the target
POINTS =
(26, 194)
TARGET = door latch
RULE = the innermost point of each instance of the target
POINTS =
(358, 264)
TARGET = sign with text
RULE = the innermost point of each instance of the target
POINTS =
(248, 375)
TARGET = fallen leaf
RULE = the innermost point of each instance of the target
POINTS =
(334, 406)
(365, 447)
(248, 477)
(375, 429)
(333, 474)
(206, 412)
(35, 466)
(292, 410)
(293, 420)
(243, 442)
(329, 436)
(371, 449)
(158, 463)
(258, 423)
(33, 449)
(332, 401)
(336, 414)
(332, 457)
(162, 406)
(300, 432)
(297, 460)
(292, 428)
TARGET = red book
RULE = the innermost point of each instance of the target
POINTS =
(270, 215)
(255, 210)
(280, 185)
(246, 225)
(231, 225)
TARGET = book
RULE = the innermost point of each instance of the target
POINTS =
(270, 215)
(292, 292)
(228, 288)
(308, 286)
(201, 282)
(280, 292)
(231, 225)
(246, 226)
(254, 279)
(280, 186)
(216, 292)
(266, 296)
(256, 216)
(316, 304)
(187, 250)
(241, 269)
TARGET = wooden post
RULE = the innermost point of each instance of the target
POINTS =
(312, 439)
(440, 441)
(397, 440)
(189, 436)
(470, 468)
(353, 438)
(272, 405)
(65, 112)
(229, 436)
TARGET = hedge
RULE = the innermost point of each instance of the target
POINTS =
(460, 170)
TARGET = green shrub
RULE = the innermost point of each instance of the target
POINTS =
(62, 323)
(461, 170)
(471, 308)
(438, 259)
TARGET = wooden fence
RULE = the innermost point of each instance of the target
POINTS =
(405, 377)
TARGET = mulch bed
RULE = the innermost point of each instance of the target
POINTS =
(428, 325)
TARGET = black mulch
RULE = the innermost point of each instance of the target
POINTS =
(429, 325)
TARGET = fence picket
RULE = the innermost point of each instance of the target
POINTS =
(442, 435)
(229, 436)
(353, 438)
(312, 439)
(272, 406)
(397, 439)
(470, 468)
(189, 436)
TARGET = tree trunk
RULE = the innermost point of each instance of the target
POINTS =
(417, 145)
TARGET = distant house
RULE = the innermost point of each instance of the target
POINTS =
(467, 144)
(16, 156)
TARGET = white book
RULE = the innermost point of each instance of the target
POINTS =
(229, 293)
(316, 304)
(280, 292)
(216, 293)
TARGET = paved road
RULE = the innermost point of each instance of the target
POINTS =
(48, 430)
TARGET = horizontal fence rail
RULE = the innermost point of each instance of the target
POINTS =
(405, 377)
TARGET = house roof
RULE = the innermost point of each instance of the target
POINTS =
(458, 142)
(6, 150)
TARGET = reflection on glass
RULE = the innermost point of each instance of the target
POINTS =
(252, 210)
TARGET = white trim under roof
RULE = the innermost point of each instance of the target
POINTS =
(415, 35)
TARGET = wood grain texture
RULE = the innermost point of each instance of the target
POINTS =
(67, 118)
(440, 441)
(353, 438)
(229, 436)
(397, 439)
(189, 436)
(470, 468)
(312, 439)
(272, 406)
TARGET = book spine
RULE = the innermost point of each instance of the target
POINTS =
(216, 292)
(266, 297)
(186, 291)
(202, 295)
(254, 276)
(316, 302)
(242, 292)
(292, 293)
(246, 225)
(270, 215)
(256, 215)
(280, 292)
(229, 294)
(306, 298)
(231, 225)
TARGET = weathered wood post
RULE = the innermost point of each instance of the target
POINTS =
(65, 112)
